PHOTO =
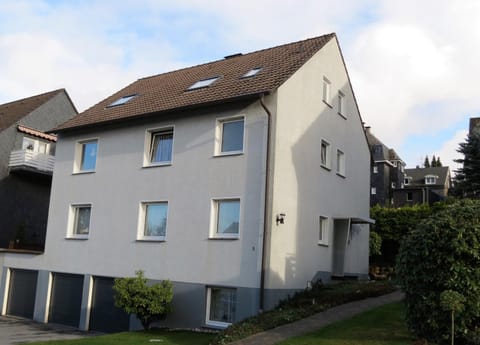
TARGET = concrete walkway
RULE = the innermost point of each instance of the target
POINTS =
(17, 330)
(318, 321)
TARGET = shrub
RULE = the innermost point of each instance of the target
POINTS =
(148, 303)
(443, 253)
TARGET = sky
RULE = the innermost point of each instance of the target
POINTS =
(413, 64)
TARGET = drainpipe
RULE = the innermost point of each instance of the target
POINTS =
(265, 211)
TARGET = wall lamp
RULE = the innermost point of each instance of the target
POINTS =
(281, 218)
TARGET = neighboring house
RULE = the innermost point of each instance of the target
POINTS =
(241, 180)
(424, 186)
(26, 166)
(387, 172)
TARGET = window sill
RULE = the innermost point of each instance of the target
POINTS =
(342, 115)
(325, 167)
(77, 237)
(328, 104)
(341, 175)
(159, 239)
(83, 172)
(224, 238)
(155, 165)
(226, 154)
(217, 324)
(322, 244)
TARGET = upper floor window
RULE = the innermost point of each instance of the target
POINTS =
(159, 146)
(325, 154)
(373, 191)
(34, 145)
(86, 156)
(430, 179)
(153, 221)
(340, 163)
(341, 103)
(80, 221)
(122, 100)
(375, 169)
(252, 72)
(202, 83)
(230, 134)
(326, 90)
(226, 218)
(406, 181)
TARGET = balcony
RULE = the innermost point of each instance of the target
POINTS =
(30, 161)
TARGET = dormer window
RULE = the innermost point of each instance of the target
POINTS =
(203, 83)
(252, 72)
(407, 180)
(122, 100)
(430, 179)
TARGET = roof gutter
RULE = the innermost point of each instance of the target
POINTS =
(265, 208)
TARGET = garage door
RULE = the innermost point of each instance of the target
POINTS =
(66, 299)
(104, 316)
(21, 293)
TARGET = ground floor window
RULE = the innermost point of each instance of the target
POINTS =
(221, 305)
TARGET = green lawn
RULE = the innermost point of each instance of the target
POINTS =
(138, 338)
(382, 326)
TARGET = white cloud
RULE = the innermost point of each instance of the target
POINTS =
(447, 152)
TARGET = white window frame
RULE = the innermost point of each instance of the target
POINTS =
(79, 147)
(406, 181)
(375, 169)
(142, 214)
(213, 234)
(200, 84)
(328, 158)
(341, 104)
(323, 230)
(326, 92)
(148, 146)
(430, 179)
(213, 323)
(341, 163)
(373, 191)
(72, 217)
(219, 135)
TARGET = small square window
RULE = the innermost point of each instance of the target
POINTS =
(226, 218)
(430, 180)
(160, 146)
(409, 196)
(326, 90)
(230, 134)
(221, 306)
(340, 163)
(86, 156)
(323, 230)
(406, 181)
(153, 221)
(325, 154)
(373, 191)
(341, 103)
(80, 220)
(203, 83)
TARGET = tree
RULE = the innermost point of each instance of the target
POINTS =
(441, 254)
(148, 303)
(439, 164)
(434, 162)
(426, 163)
(467, 179)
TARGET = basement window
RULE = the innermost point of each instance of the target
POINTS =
(122, 100)
(252, 72)
(202, 83)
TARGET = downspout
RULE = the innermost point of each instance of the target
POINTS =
(265, 208)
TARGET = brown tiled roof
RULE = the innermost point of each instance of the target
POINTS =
(168, 92)
(12, 112)
(37, 133)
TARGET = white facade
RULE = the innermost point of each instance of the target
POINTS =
(300, 188)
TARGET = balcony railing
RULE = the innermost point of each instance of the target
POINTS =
(32, 161)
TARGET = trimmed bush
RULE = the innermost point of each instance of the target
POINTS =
(443, 253)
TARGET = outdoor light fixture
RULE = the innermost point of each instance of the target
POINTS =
(280, 218)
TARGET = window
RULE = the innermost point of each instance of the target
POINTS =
(429, 179)
(323, 230)
(375, 169)
(394, 185)
(160, 146)
(153, 221)
(226, 218)
(326, 90)
(202, 83)
(122, 100)
(325, 154)
(340, 163)
(28, 144)
(80, 220)
(409, 196)
(406, 181)
(86, 156)
(230, 133)
(374, 191)
(341, 103)
(252, 72)
(221, 306)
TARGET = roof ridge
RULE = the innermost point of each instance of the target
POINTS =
(332, 34)
(31, 97)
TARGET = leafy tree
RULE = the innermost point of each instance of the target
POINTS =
(467, 180)
(453, 302)
(443, 253)
(426, 162)
(148, 303)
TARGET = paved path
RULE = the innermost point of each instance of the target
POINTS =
(317, 321)
(16, 330)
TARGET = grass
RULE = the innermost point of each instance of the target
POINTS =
(129, 338)
(382, 326)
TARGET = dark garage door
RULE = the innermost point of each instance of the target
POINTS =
(21, 293)
(66, 299)
(104, 316)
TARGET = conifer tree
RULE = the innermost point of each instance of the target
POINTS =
(426, 163)
(434, 162)
(467, 179)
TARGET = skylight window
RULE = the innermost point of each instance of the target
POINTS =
(202, 83)
(122, 100)
(252, 72)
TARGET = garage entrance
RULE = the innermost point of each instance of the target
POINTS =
(66, 299)
(21, 293)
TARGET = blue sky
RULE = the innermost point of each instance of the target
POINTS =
(412, 64)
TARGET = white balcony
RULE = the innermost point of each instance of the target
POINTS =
(32, 161)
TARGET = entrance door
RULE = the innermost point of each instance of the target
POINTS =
(21, 293)
(340, 238)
